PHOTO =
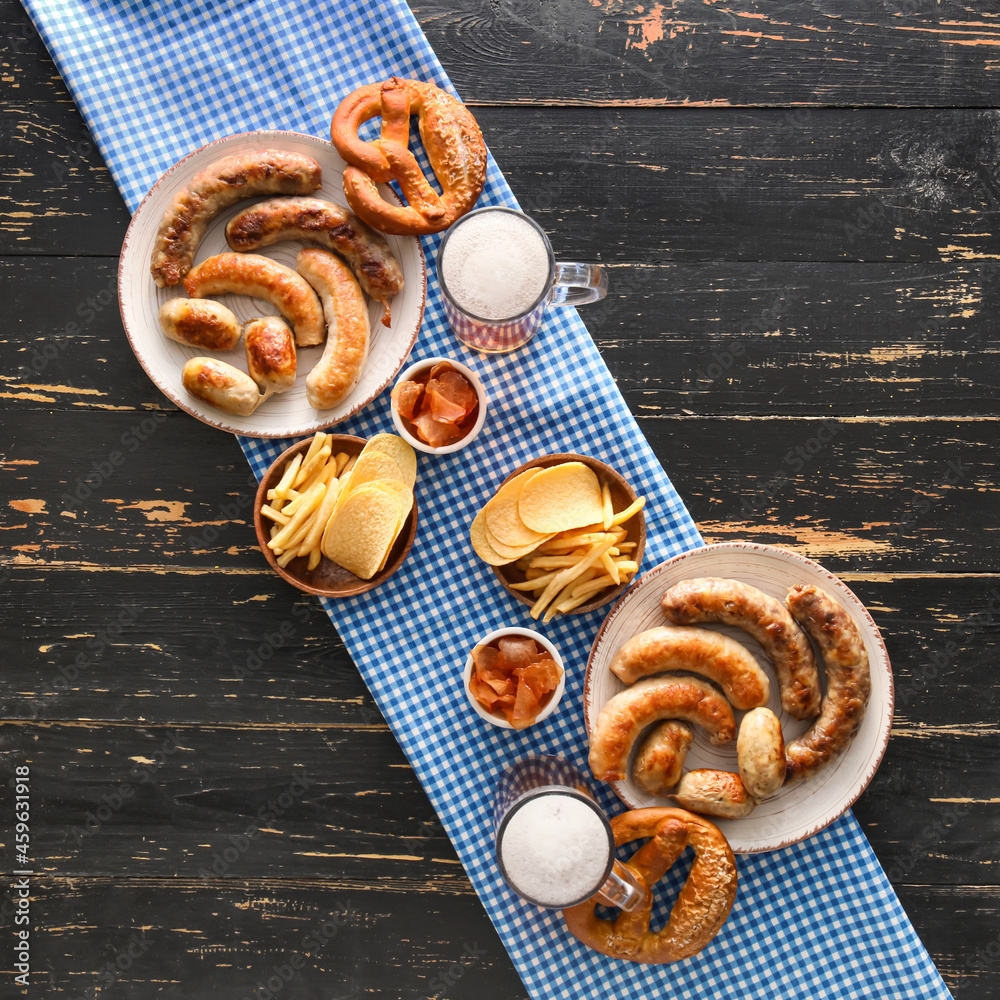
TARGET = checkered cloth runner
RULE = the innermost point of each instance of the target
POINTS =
(157, 80)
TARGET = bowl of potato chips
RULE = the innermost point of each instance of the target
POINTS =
(564, 534)
(335, 514)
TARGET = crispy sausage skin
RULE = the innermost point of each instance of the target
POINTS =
(366, 251)
(714, 793)
(262, 278)
(271, 355)
(848, 680)
(346, 350)
(650, 700)
(700, 651)
(760, 750)
(659, 760)
(221, 385)
(734, 603)
(219, 185)
(200, 323)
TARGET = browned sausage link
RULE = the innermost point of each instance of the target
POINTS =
(346, 349)
(219, 185)
(221, 385)
(628, 713)
(366, 251)
(200, 323)
(714, 793)
(848, 680)
(263, 278)
(734, 603)
(659, 760)
(699, 650)
(271, 355)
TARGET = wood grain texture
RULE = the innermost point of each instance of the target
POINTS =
(798, 206)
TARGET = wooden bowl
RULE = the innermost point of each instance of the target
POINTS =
(622, 495)
(327, 579)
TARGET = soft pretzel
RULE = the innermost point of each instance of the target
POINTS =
(700, 651)
(702, 906)
(454, 145)
(734, 603)
(848, 680)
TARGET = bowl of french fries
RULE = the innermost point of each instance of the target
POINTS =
(335, 514)
(565, 534)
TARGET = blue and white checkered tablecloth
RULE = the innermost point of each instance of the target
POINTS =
(157, 80)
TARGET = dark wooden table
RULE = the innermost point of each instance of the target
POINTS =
(798, 202)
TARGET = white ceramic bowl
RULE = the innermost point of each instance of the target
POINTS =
(401, 425)
(499, 720)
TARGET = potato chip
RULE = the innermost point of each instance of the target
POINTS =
(481, 544)
(503, 519)
(372, 465)
(361, 530)
(508, 551)
(561, 497)
(399, 451)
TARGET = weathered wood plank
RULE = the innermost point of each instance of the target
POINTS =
(340, 801)
(736, 338)
(635, 185)
(855, 493)
(181, 938)
(850, 53)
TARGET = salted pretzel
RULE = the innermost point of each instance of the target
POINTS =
(454, 147)
(701, 908)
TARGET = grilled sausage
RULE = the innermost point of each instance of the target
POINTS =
(271, 356)
(700, 651)
(647, 701)
(346, 350)
(219, 185)
(200, 323)
(263, 278)
(734, 603)
(714, 793)
(660, 758)
(760, 750)
(221, 385)
(366, 251)
(848, 680)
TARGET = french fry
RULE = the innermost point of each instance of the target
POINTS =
(627, 566)
(629, 511)
(609, 511)
(612, 567)
(286, 557)
(318, 440)
(553, 562)
(573, 542)
(322, 515)
(591, 585)
(308, 472)
(275, 515)
(569, 575)
(314, 558)
(308, 502)
(351, 462)
(627, 546)
(285, 483)
(342, 459)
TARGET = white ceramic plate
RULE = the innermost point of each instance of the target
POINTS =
(287, 414)
(796, 811)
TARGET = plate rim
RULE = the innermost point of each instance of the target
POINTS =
(172, 393)
(887, 709)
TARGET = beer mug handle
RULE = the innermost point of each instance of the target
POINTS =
(576, 284)
(622, 889)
